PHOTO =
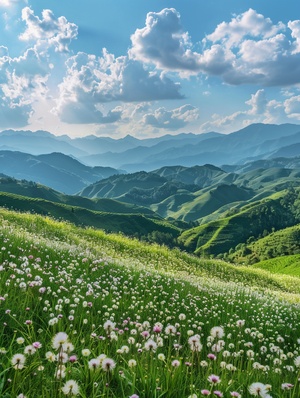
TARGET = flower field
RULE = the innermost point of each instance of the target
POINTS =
(92, 315)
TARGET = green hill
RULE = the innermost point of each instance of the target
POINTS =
(283, 242)
(251, 221)
(288, 265)
(194, 193)
(129, 224)
(35, 190)
(118, 185)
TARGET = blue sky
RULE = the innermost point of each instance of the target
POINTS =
(148, 67)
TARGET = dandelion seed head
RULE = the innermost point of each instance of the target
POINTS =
(258, 389)
(18, 361)
(108, 364)
(59, 339)
(70, 388)
(132, 363)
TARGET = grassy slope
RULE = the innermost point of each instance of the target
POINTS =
(251, 220)
(156, 258)
(129, 224)
(288, 265)
(35, 190)
(190, 206)
(92, 277)
(279, 243)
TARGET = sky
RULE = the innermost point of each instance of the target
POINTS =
(148, 67)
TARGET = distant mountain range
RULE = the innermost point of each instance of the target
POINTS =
(257, 141)
(56, 170)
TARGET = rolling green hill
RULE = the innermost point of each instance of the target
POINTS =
(194, 193)
(275, 212)
(287, 265)
(219, 219)
(188, 206)
(34, 190)
(284, 242)
(129, 224)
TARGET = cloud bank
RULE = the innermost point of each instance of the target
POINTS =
(92, 80)
(249, 49)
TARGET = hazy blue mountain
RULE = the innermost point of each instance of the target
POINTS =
(280, 162)
(193, 150)
(288, 151)
(56, 170)
(36, 143)
(143, 151)
(92, 145)
(254, 142)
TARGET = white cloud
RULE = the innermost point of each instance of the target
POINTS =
(261, 52)
(164, 43)
(250, 23)
(258, 103)
(292, 107)
(261, 111)
(90, 81)
(173, 119)
(295, 33)
(250, 49)
(50, 31)
(22, 82)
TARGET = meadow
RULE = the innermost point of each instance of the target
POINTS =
(89, 314)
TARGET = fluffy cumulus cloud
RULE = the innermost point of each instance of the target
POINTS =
(294, 26)
(258, 103)
(22, 82)
(91, 81)
(248, 49)
(258, 51)
(171, 119)
(163, 42)
(250, 23)
(292, 107)
(24, 79)
(49, 30)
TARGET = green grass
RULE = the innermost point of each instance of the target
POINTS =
(129, 224)
(288, 265)
(276, 244)
(34, 191)
(56, 277)
(280, 210)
